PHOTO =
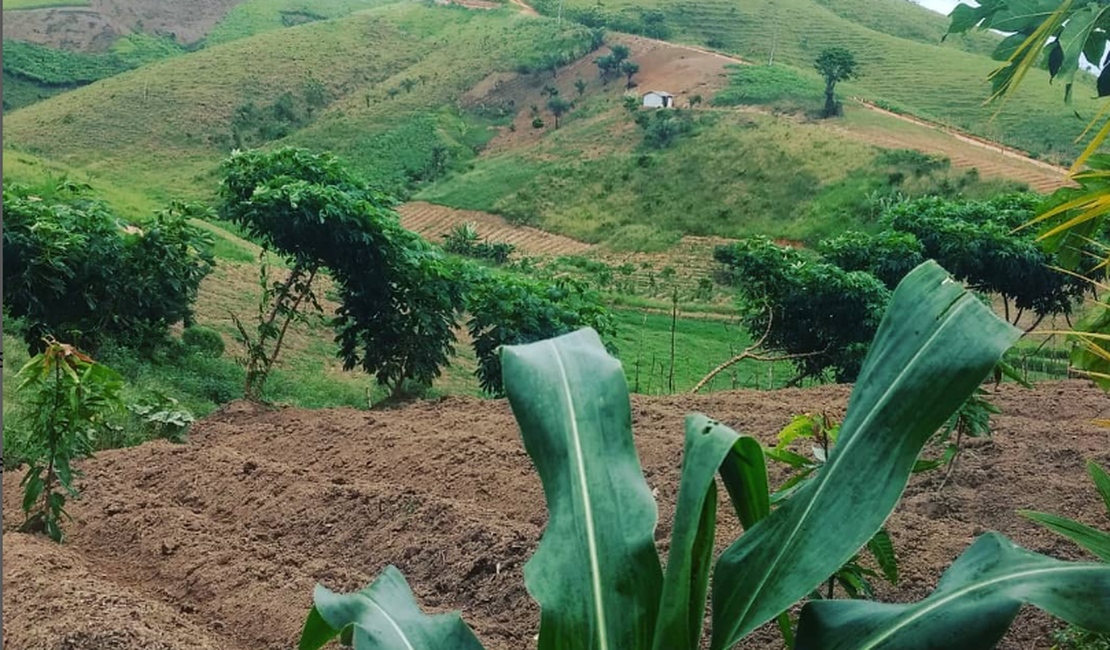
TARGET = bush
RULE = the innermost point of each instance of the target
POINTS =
(399, 297)
(819, 313)
(888, 255)
(464, 240)
(73, 269)
(509, 310)
(204, 341)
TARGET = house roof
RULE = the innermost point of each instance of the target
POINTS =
(659, 92)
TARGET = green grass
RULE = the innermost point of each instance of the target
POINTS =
(39, 72)
(779, 85)
(257, 16)
(901, 60)
(13, 5)
(644, 342)
(163, 128)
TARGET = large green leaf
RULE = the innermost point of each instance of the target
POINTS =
(1073, 38)
(1102, 482)
(596, 573)
(976, 600)
(709, 446)
(383, 616)
(934, 346)
(1092, 539)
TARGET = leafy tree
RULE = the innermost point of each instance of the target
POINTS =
(976, 242)
(663, 128)
(820, 314)
(629, 69)
(580, 86)
(558, 107)
(69, 397)
(408, 84)
(888, 255)
(835, 64)
(72, 268)
(695, 100)
(620, 52)
(400, 299)
(510, 310)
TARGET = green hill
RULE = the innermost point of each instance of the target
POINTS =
(377, 87)
(903, 62)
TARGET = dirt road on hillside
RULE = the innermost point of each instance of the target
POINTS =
(217, 543)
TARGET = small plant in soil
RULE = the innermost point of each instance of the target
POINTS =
(70, 397)
(598, 576)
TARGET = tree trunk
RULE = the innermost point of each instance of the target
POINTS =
(831, 108)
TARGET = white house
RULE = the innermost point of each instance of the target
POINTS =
(658, 99)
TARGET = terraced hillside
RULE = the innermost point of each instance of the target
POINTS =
(898, 46)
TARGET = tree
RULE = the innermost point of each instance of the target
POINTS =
(74, 269)
(820, 314)
(511, 310)
(695, 100)
(629, 68)
(400, 298)
(835, 64)
(408, 84)
(887, 255)
(580, 86)
(558, 106)
(620, 52)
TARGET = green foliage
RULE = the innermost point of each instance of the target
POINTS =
(887, 255)
(663, 128)
(816, 312)
(975, 240)
(835, 64)
(69, 397)
(399, 298)
(558, 107)
(73, 269)
(597, 574)
(163, 415)
(463, 239)
(854, 577)
(47, 69)
(1091, 539)
(204, 340)
(511, 310)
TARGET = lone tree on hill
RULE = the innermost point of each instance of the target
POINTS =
(629, 68)
(580, 86)
(835, 64)
(558, 106)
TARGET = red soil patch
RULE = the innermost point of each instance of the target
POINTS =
(217, 543)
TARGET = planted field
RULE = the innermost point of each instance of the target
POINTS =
(435, 221)
(217, 544)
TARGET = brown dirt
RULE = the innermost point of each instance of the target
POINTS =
(434, 221)
(217, 543)
(98, 25)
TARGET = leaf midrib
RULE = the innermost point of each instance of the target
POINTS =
(580, 467)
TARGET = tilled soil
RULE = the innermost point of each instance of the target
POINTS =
(217, 543)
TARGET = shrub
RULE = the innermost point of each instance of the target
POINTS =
(509, 310)
(888, 255)
(816, 312)
(463, 239)
(70, 397)
(74, 269)
(597, 573)
(203, 340)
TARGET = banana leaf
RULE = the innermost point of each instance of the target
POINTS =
(976, 600)
(383, 616)
(596, 573)
(936, 343)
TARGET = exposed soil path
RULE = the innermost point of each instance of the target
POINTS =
(217, 543)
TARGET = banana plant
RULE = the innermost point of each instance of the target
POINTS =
(597, 574)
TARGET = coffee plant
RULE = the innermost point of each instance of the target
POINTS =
(68, 398)
(597, 574)
(74, 270)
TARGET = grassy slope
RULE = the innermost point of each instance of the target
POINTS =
(164, 127)
(257, 16)
(897, 45)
